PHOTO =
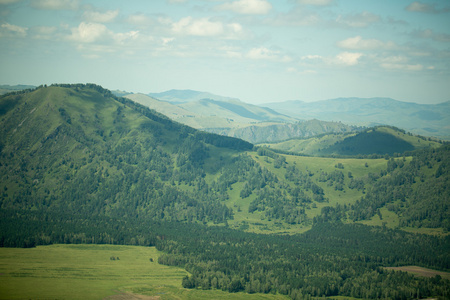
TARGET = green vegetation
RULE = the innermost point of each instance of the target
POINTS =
(79, 165)
(375, 141)
(89, 272)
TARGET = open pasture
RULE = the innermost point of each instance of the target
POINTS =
(96, 272)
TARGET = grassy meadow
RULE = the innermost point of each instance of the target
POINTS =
(88, 272)
(256, 221)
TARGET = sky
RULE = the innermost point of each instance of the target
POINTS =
(256, 50)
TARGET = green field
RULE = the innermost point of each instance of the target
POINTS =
(88, 272)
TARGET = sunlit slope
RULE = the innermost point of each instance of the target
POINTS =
(78, 148)
(405, 192)
(207, 113)
(378, 140)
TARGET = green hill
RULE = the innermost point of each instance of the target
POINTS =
(379, 140)
(79, 149)
(80, 165)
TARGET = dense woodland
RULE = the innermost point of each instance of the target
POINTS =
(80, 165)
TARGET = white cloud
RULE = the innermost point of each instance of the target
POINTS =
(399, 62)
(262, 53)
(7, 29)
(266, 54)
(312, 57)
(298, 16)
(404, 67)
(121, 38)
(89, 32)
(206, 28)
(358, 43)
(247, 7)
(348, 58)
(360, 20)
(418, 6)
(97, 17)
(55, 4)
(315, 2)
(198, 27)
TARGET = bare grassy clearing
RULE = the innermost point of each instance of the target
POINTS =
(419, 271)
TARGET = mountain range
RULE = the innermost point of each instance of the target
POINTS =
(241, 118)
(234, 118)
(278, 121)
(81, 165)
(423, 119)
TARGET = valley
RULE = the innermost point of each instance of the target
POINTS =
(303, 218)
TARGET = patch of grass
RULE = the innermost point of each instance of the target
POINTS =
(388, 219)
(422, 272)
(88, 272)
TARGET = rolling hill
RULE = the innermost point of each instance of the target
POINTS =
(378, 140)
(57, 137)
(422, 119)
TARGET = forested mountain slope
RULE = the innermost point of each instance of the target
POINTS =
(78, 149)
(79, 165)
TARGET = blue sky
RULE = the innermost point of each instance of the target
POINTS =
(256, 50)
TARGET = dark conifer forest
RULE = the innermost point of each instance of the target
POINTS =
(80, 165)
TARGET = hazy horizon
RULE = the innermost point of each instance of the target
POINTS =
(258, 51)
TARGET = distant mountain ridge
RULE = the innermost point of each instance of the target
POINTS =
(423, 119)
(273, 132)
(6, 88)
(233, 117)
(181, 96)
(208, 113)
